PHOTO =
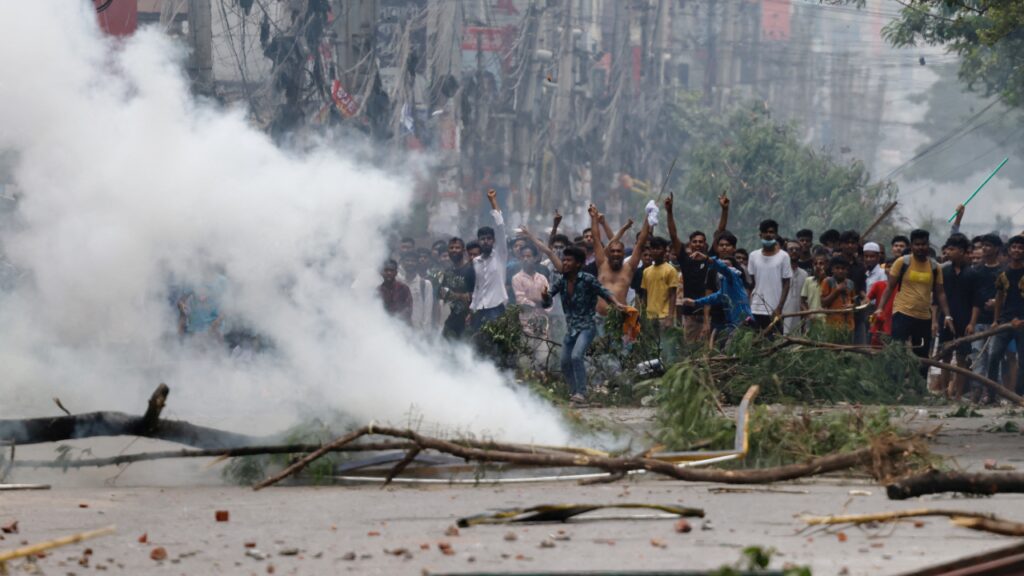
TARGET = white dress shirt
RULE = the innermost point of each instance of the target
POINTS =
(489, 290)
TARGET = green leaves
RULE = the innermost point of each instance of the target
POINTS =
(770, 173)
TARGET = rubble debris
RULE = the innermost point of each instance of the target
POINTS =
(682, 527)
(11, 528)
(41, 547)
(221, 515)
(159, 553)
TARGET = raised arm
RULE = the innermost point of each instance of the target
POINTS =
(673, 234)
(723, 219)
(959, 218)
(622, 231)
(641, 241)
(554, 227)
(604, 226)
(500, 238)
(595, 217)
(545, 249)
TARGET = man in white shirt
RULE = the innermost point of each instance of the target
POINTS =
(771, 272)
(872, 259)
(792, 324)
(489, 293)
(422, 291)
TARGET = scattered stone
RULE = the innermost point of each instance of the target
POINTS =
(11, 528)
(682, 527)
(288, 552)
(221, 515)
(546, 543)
(511, 537)
(445, 548)
(349, 556)
(159, 553)
(144, 538)
(658, 543)
(452, 531)
(255, 554)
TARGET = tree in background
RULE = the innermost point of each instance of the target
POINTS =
(770, 173)
(988, 35)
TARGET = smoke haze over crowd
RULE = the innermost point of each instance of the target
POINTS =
(128, 186)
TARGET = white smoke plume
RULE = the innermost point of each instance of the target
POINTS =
(128, 185)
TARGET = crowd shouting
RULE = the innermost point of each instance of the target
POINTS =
(694, 293)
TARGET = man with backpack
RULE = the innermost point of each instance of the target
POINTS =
(918, 279)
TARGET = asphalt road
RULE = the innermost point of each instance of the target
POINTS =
(366, 530)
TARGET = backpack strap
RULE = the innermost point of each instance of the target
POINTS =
(906, 266)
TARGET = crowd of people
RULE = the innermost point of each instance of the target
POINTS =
(701, 293)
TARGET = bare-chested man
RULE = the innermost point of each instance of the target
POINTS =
(613, 270)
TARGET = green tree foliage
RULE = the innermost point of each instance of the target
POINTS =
(770, 173)
(988, 35)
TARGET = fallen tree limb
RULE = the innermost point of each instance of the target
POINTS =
(891, 516)
(210, 453)
(875, 456)
(57, 429)
(993, 525)
(936, 482)
(952, 344)
(871, 351)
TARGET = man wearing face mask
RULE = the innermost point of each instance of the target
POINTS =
(456, 289)
(771, 272)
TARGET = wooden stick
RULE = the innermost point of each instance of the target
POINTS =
(822, 465)
(298, 466)
(409, 457)
(885, 213)
(948, 346)
(936, 482)
(212, 453)
(993, 525)
(824, 311)
(55, 543)
(891, 516)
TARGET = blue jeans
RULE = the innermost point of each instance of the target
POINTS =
(1000, 344)
(574, 350)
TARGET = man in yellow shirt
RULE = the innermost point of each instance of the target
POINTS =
(918, 278)
(659, 285)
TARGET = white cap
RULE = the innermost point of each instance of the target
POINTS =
(872, 247)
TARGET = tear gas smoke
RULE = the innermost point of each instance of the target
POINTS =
(129, 187)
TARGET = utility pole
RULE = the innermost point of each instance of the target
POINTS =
(200, 35)
(562, 107)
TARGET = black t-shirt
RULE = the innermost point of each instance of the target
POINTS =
(698, 278)
(859, 275)
(591, 268)
(807, 265)
(459, 280)
(1011, 281)
(984, 289)
(959, 290)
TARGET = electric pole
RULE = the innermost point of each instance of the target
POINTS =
(200, 35)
